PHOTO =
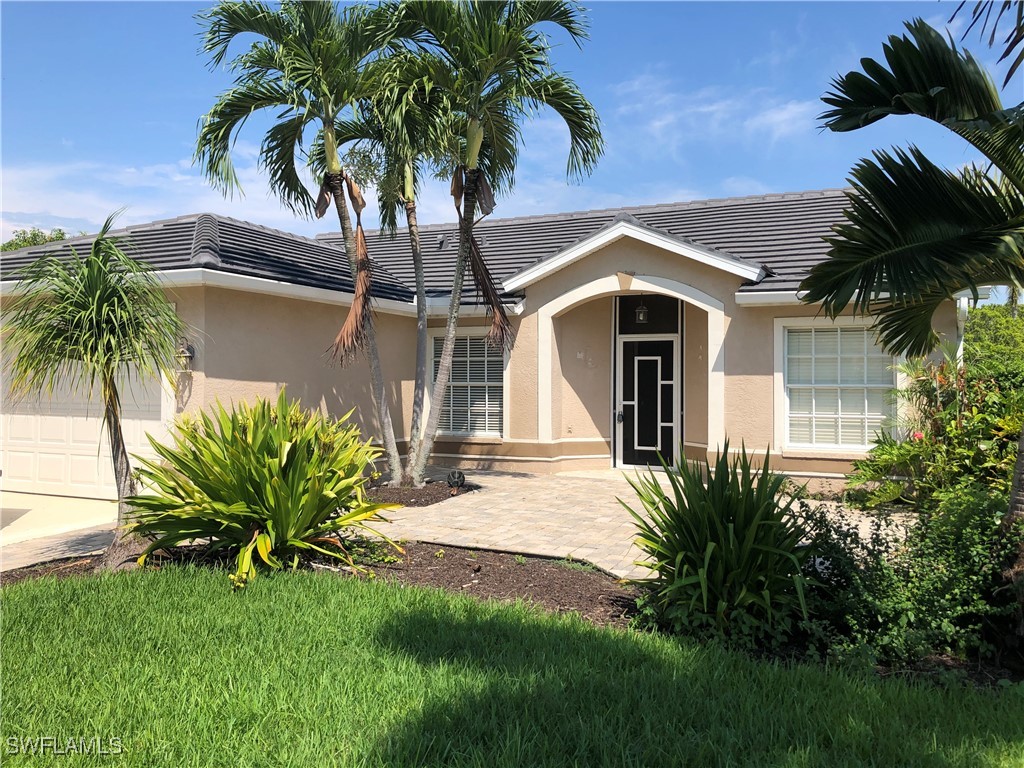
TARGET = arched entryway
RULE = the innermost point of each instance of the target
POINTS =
(663, 375)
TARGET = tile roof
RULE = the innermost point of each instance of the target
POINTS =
(228, 245)
(783, 232)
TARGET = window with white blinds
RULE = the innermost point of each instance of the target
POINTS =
(839, 384)
(474, 401)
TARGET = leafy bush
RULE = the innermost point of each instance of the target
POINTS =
(726, 550)
(900, 593)
(957, 426)
(279, 481)
(994, 345)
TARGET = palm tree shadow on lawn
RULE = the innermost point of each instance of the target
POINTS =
(563, 693)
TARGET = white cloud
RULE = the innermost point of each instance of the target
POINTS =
(741, 186)
(793, 118)
(658, 114)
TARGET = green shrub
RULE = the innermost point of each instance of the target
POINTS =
(957, 426)
(932, 586)
(994, 345)
(726, 550)
(277, 481)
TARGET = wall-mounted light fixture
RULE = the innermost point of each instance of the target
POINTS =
(641, 313)
(185, 355)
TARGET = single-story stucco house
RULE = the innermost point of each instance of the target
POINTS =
(637, 330)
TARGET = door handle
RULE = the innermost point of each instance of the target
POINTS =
(618, 417)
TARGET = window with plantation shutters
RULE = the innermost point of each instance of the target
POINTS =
(474, 401)
(839, 384)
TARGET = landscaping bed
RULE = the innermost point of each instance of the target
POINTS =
(410, 496)
(556, 585)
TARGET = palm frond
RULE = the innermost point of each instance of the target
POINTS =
(565, 98)
(220, 127)
(281, 144)
(914, 232)
(84, 320)
(1014, 40)
(926, 75)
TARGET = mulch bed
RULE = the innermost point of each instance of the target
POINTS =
(64, 568)
(408, 496)
(559, 586)
(556, 585)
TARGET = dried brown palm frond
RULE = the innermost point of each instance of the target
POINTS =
(352, 337)
(501, 333)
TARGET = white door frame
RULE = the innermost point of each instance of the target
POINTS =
(677, 386)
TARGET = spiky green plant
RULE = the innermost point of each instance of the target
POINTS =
(724, 545)
(274, 480)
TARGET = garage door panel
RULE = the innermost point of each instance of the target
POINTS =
(20, 428)
(86, 432)
(53, 430)
(85, 470)
(52, 468)
(58, 444)
(19, 466)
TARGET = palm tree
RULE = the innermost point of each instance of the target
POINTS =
(88, 321)
(309, 66)
(390, 139)
(488, 63)
(917, 234)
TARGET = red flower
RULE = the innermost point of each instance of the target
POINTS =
(918, 436)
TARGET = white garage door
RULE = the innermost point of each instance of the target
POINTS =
(58, 445)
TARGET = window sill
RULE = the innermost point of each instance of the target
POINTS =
(471, 438)
(811, 452)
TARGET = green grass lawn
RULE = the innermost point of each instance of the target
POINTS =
(313, 670)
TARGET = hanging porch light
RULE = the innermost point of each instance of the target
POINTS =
(641, 313)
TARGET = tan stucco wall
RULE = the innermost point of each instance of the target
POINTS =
(582, 406)
(250, 345)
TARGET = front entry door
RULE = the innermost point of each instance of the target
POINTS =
(648, 400)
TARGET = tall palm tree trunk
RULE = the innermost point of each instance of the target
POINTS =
(121, 549)
(336, 183)
(420, 386)
(445, 365)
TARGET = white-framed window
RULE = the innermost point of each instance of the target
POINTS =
(838, 384)
(475, 399)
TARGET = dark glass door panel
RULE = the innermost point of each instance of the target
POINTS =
(647, 387)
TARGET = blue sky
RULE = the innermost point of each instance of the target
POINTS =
(100, 103)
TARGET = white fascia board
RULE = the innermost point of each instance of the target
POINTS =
(438, 306)
(781, 298)
(211, 278)
(768, 298)
(618, 231)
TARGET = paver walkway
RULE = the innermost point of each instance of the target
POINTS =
(551, 515)
(562, 515)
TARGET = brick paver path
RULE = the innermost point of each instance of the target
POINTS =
(552, 515)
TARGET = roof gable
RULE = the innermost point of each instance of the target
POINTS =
(624, 226)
